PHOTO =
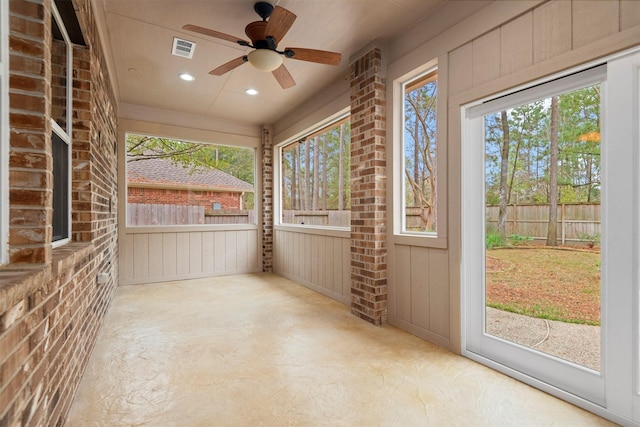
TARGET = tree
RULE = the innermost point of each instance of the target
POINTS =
(316, 169)
(323, 151)
(301, 195)
(420, 150)
(552, 238)
(341, 170)
(504, 166)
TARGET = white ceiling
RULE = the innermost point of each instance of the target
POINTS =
(139, 37)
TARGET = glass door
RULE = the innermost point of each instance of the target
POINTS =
(533, 189)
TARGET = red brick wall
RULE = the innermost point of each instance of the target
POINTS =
(368, 189)
(163, 196)
(267, 201)
(51, 306)
(30, 139)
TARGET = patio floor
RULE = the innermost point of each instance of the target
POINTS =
(258, 349)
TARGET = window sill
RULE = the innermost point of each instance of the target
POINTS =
(427, 241)
(19, 281)
(66, 256)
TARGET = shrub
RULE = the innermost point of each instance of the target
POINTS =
(518, 240)
(591, 239)
(493, 240)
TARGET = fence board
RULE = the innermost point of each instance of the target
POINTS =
(167, 214)
(575, 221)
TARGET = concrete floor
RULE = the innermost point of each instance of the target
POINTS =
(260, 350)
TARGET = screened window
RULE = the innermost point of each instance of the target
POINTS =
(315, 178)
(174, 182)
(419, 195)
(61, 106)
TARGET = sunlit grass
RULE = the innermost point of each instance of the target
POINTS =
(546, 283)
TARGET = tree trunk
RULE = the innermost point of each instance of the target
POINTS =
(294, 179)
(504, 166)
(341, 171)
(589, 177)
(316, 169)
(552, 238)
(307, 182)
(324, 174)
(416, 148)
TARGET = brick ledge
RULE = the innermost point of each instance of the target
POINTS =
(18, 281)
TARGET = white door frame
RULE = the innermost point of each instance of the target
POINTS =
(614, 392)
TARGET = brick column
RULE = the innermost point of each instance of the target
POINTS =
(368, 189)
(267, 201)
(81, 159)
(30, 158)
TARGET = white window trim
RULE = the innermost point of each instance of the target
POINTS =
(277, 176)
(65, 134)
(4, 132)
(437, 239)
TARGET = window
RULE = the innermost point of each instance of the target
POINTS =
(4, 130)
(419, 157)
(60, 180)
(61, 107)
(174, 182)
(315, 178)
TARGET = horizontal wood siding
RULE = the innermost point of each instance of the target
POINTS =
(319, 262)
(148, 257)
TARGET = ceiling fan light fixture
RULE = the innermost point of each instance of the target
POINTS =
(251, 91)
(265, 59)
(186, 77)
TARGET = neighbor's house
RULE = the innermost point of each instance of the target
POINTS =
(163, 182)
(59, 231)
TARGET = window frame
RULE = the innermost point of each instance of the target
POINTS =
(342, 116)
(62, 133)
(190, 227)
(4, 132)
(397, 233)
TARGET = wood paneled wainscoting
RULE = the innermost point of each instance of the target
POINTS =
(160, 254)
(318, 258)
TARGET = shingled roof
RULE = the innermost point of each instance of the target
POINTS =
(157, 172)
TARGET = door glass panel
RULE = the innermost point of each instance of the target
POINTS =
(542, 193)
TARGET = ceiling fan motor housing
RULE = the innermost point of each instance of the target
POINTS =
(263, 9)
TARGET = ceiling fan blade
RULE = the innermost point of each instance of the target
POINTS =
(314, 55)
(225, 68)
(283, 77)
(212, 33)
(279, 23)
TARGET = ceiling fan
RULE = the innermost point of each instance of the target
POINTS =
(265, 36)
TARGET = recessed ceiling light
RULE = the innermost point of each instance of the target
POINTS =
(186, 77)
(251, 91)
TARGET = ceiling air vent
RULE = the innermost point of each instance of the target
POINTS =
(183, 48)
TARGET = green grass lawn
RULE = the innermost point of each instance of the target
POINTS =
(554, 284)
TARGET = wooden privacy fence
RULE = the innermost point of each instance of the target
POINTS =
(333, 218)
(229, 216)
(576, 221)
(326, 218)
(165, 214)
